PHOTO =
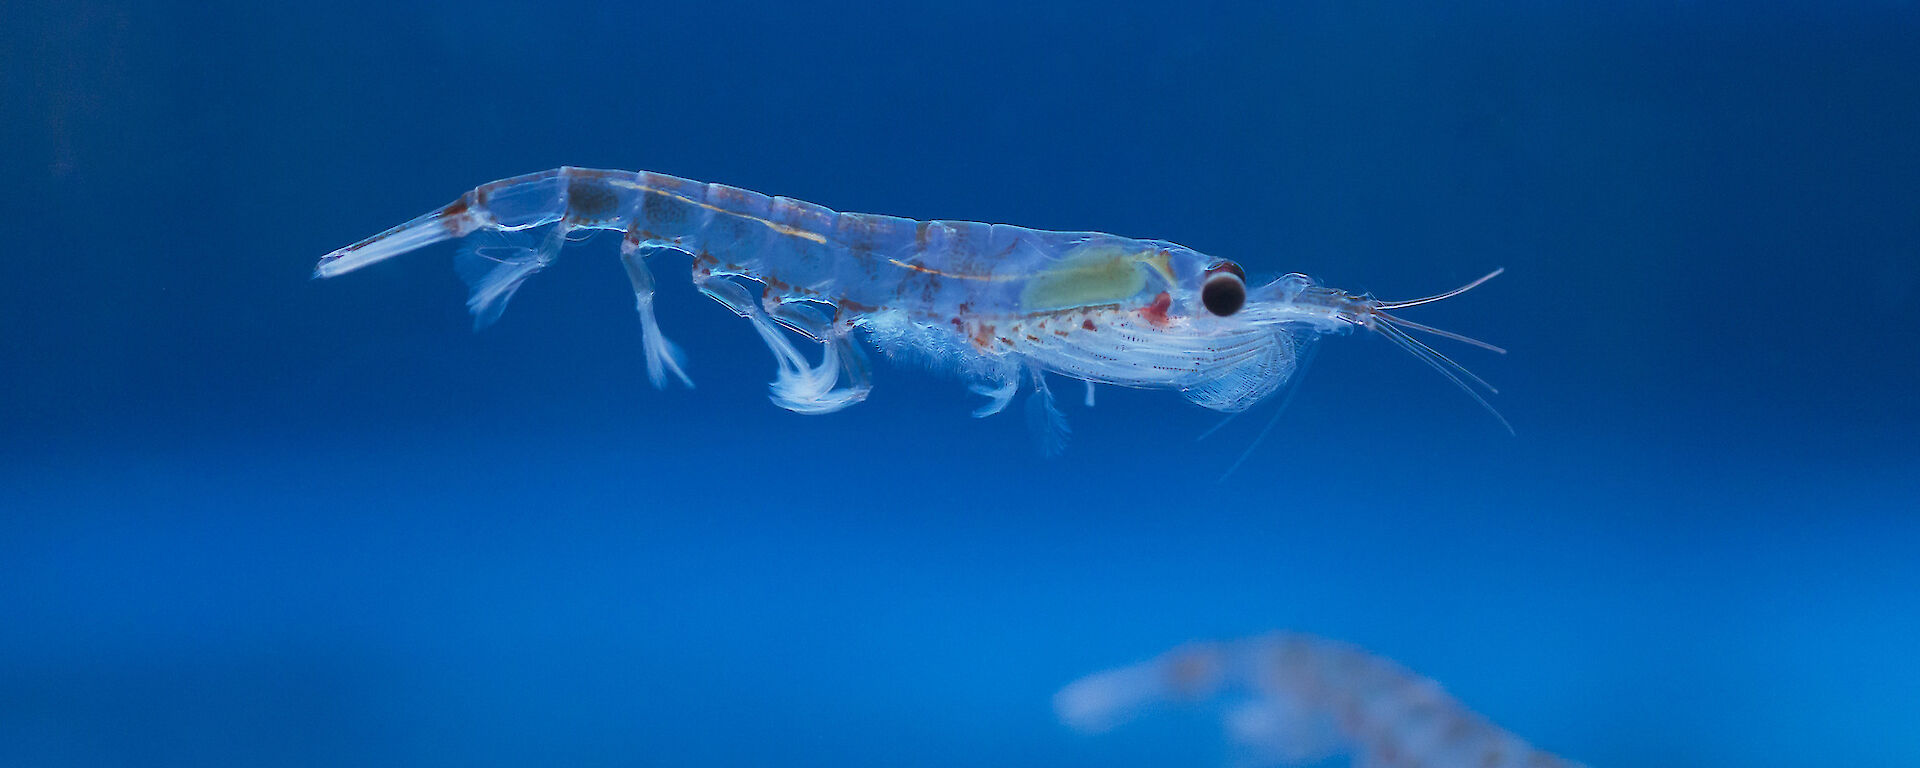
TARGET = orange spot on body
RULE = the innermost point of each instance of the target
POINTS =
(1156, 312)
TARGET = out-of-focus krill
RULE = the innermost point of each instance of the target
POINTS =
(1291, 698)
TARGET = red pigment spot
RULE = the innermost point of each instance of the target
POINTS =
(1087, 324)
(454, 217)
(1156, 313)
(983, 336)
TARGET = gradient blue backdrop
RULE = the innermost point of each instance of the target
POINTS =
(253, 519)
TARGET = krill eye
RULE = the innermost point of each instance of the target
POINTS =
(1223, 293)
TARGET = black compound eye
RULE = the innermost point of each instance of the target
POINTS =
(1223, 293)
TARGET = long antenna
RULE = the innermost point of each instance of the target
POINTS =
(1395, 330)
(1439, 296)
(1411, 325)
(1447, 368)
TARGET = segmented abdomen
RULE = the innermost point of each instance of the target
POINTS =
(864, 262)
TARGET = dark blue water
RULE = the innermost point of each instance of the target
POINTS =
(255, 519)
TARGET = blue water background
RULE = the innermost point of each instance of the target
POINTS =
(255, 519)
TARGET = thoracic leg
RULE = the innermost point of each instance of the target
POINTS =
(999, 388)
(1044, 418)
